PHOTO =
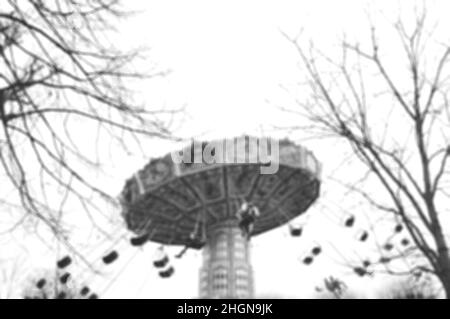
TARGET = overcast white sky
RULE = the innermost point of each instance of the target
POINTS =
(228, 59)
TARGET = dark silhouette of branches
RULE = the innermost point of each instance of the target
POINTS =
(390, 105)
(411, 288)
(60, 71)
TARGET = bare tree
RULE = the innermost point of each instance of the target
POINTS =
(61, 77)
(390, 105)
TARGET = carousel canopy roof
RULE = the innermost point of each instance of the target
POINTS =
(207, 182)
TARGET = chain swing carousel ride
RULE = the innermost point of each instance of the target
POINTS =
(216, 204)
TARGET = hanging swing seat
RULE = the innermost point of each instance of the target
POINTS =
(398, 228)
(385, 260)
(296, 231)
(64, 278)
(111, 257)
(41, 283)
(349, 221)
(167, 272)
(64, 262)
(316, 250)
(308, 260)
(160, 263)
(139, 241)
(363, 236)
(85, 291)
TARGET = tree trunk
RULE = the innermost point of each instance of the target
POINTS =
(444, 265)
(446, 284)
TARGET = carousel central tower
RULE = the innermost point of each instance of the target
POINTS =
(226, 270)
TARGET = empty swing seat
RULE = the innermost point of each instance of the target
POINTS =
(296, 231)
(167, 273)
(159, 263)
(139, 241)
(85, 291)
(64, 262)
(405, 242)
(363, 236)
(111, 257)
(316, 250)
(308, 260)
(64, 278)
(349, 221)
(41, 283)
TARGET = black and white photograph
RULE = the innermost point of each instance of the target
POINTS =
(249, 150)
